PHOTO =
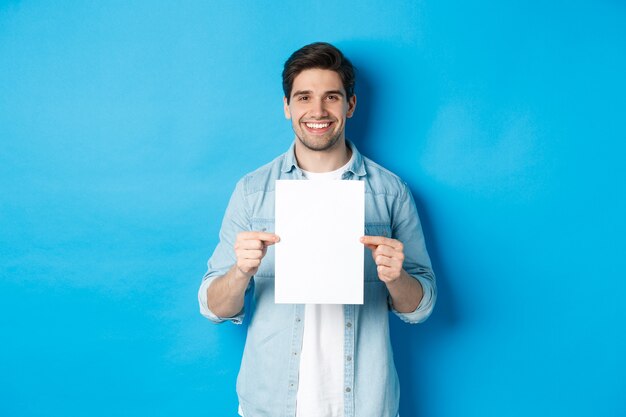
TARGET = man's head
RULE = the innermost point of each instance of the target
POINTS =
(319, 95)
(320, 55)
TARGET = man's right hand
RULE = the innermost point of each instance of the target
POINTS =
(250, 248)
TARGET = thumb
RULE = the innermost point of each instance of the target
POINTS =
(368, 245)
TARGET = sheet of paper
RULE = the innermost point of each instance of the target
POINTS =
(319, 259)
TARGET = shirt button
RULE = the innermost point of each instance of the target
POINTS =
(297, 319)
(349, 358)
(348, 324)
(295, 353)
(348, 389)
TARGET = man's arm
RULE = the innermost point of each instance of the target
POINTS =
(225, 295)
(406, 292)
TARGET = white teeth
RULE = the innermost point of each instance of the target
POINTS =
(317, 125)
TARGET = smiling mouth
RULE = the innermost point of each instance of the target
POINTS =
(317, 127)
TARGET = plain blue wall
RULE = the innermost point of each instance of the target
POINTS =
(125, 125)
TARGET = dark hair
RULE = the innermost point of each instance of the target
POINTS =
(318, 55)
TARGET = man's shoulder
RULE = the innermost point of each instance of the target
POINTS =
(262, 178)
(382, 180)
(274, 166)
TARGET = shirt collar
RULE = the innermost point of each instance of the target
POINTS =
(357, 166)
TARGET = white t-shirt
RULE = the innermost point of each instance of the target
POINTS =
(320, 381)
(320, 386)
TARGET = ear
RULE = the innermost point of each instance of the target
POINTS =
(351, 106)
(286, 108)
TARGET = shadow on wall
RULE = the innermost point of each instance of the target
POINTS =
(394, 86)
(358, 128)
(412, 344)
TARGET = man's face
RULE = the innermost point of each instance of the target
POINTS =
(318, 108)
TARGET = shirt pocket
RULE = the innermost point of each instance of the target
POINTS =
(373, 229)
(267, 264)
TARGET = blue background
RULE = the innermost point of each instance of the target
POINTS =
(125, 125)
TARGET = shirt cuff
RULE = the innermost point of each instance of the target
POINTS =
(425, 307)
(204, 305)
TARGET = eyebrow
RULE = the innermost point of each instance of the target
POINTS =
(305, 92)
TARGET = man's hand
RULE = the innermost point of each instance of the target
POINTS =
(388, 255)
(225, 295)
(406, 292)
(250, 248)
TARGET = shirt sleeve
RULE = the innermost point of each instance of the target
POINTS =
(407, 228)
(236, 219)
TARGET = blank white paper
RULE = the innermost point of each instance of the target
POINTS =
(319, 259)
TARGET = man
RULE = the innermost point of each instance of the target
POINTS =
(319, 360)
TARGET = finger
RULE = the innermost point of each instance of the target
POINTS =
(381, 240)
(248, 264)
(268, 238)
(385, 250)
(250, 254)
(382, 260)
(387, 274)
(249, 244)
(371, 247)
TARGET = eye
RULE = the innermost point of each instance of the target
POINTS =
(303, 98)
(332, 97)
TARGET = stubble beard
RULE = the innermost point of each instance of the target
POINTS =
(318, 146)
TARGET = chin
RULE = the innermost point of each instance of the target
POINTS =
(319, 145)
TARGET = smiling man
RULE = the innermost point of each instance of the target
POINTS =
(318, 107)
(319, 360)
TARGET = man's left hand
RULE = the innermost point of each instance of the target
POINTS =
(388, 255)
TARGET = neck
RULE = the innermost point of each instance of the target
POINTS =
(323, 161)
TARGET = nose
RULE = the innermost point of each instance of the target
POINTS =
(318, 109)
